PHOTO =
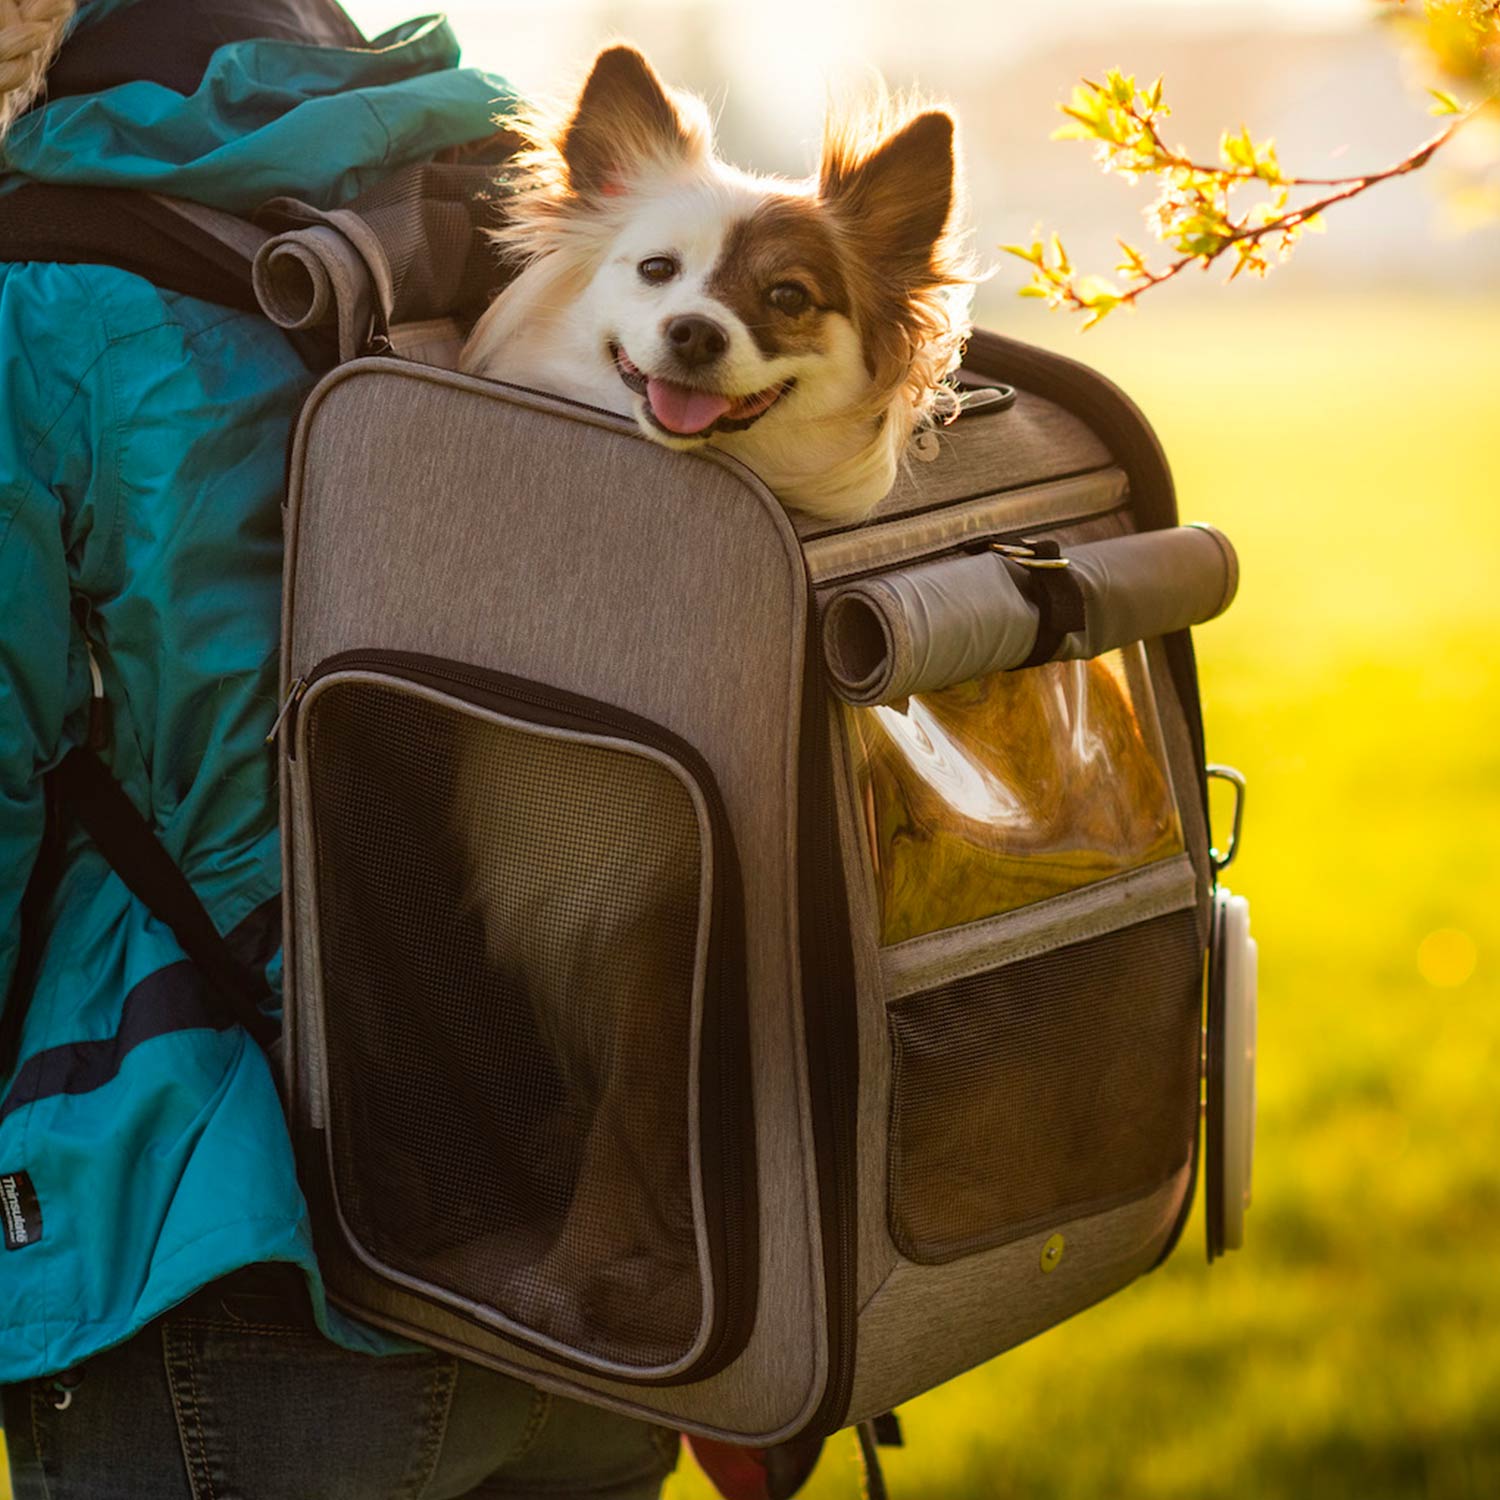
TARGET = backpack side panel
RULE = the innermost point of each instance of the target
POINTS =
(930, 1004)
(439, 514)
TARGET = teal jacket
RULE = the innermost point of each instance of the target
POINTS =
(142, 448)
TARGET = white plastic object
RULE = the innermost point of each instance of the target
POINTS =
(1240, 958)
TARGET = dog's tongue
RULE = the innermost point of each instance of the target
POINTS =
(683, 410)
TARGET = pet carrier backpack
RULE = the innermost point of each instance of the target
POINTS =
(740, 970)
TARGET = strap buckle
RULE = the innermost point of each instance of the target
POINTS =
(1033, 554)
(1053, 589)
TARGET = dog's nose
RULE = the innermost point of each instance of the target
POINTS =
(696, 340)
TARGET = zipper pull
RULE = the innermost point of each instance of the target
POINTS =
(289, 703)
(99, 726)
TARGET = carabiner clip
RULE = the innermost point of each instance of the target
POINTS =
(1222, 862)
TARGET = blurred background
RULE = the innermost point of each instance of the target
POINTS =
(1341, 422)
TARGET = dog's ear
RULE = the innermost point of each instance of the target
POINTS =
(624, 120)
(894, 195)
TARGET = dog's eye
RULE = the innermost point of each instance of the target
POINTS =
(789, 297)
(657, 269)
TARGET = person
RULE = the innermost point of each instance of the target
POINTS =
(163, 1329)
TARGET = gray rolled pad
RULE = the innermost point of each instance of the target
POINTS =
(320, 273)
(410, 250)
(1138, 587)
(926, 627)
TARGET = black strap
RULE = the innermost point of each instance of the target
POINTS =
(130, 230)
(869, 1458)
(1055, 592)
(85, 787)
(133, 232)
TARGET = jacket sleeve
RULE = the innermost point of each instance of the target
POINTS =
(51, 522)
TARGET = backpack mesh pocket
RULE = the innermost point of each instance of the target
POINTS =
(1054, 1088)
(518, 963)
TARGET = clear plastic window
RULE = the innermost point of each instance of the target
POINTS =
(1011, 788)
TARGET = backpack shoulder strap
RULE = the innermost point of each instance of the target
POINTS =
(85, 787)
(182, 247)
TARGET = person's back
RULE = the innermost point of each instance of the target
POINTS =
(163, 1329)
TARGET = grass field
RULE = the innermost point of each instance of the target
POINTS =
(1353, 1348)
(1352, 450)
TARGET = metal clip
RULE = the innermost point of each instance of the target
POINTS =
(1026, 555)
(1222, 862)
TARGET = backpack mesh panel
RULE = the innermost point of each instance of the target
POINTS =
(508, 925)
(1054, 1088)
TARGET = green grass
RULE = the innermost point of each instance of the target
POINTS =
(1353, 1348)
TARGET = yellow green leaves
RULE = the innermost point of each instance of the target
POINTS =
(1132, 263)
(1243, 205)
(1191, 214)
(1054, 281)
(1242, 156)
(1461, 39)
(1120, 118)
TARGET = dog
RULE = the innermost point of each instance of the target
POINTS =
(806, 328)
(579, 871)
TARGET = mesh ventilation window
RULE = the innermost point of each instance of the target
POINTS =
(1042, 1092)
(508, 932)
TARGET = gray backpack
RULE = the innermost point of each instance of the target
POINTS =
(740, 971)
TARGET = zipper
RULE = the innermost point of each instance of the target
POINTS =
(288, 707)
(730, 1208)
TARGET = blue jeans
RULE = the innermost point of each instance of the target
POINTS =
(236, 1396)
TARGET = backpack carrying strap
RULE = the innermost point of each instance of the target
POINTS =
(84, 786)
(130, 230)
(181, 246)
(202, 253)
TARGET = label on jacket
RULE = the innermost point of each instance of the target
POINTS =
(20, 1213)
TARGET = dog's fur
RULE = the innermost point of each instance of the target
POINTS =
(839, 303)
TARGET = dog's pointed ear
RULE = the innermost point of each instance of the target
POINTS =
(624, 120)
(897, 194)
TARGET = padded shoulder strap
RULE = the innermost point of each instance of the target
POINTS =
(186, 249)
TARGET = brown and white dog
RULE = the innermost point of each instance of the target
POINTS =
(804, 327)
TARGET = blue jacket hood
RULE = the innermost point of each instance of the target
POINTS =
(269, 117)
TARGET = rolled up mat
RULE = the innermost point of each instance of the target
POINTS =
(410, 250)
(927, 627)
(307, 277)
